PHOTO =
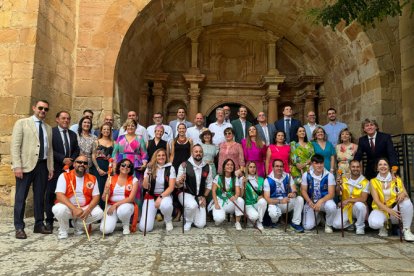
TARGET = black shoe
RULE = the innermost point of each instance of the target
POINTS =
(20, 234)
(42, 230)
(49, 227)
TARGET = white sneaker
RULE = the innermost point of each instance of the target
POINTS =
(259, 226)
(62, 235)
(383, 232)
(169, 226)
(328, 229)
(408, 236)
(125, 230)
(238, 226)
(187, 226)
(360, 231)
(78, 232)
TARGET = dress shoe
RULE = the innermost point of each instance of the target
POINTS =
(49, 227)
(20, 234)
(42, 230)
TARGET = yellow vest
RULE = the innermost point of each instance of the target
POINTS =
(377, 185)
(356, 192)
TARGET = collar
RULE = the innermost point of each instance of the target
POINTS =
(272, 175)
(355, 182)
(287, 118)
(375, 136)
(191, 160)
(62, 129)
(164, 166)
(319, 177)
(388, 178)
(36, 119)
(309, 124)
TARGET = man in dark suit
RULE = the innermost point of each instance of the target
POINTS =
(241, 125)
(288, 124)
(375, 145)
(65, 150)
(265, 131)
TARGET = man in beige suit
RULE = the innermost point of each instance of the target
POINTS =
(32, 162)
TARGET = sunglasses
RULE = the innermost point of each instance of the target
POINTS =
(82, 162)
(125, 165)
(43, 108)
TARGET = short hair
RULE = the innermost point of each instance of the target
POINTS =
(317, 158)
(129, 122)
(354, 161)
(242, 106)
(81, 122)
(131, 167)
(157, 113)
(330, 109)
(87, 110)
(219, 109)
(277, 132)
(62, 111)
(369, 121)
(287, 105)
(196, 145)
(185, 111)
(227, 129)
(277, 160)
(43, 101)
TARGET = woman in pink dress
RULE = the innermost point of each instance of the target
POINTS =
(254, 149)
(231, 150)
(278, 151)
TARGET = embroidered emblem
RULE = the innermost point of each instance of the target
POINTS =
(89, 185)
(205, 174)
(128, 187)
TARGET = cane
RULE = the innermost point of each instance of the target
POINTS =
(77, 202)
(287, 205)
(394, 171)
(244, 197)
(184, 165)
(314, 213)
(342, 203)
(107, 196)
(147, 205)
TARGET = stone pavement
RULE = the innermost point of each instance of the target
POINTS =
(213, 250)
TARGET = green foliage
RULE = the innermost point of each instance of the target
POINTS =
(365, 12)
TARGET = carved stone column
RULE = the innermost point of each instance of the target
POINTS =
(159, 80)
(310, 95)
(193, 35)
(193, 80)
(271, 55)
(143, 105)
(272, 83)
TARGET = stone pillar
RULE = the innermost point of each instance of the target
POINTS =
(271, 55)
(159, 80)
(143, 105)
(322, 108)
(310, 95)
(193, 35)
(193, 80)
(299, 107)
(272, 83)
(406, 34)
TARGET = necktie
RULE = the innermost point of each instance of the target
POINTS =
(67, 147)
(287, 131)
(42, 142)
(371, 144)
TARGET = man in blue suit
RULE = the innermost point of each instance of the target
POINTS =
(65, 150)
(264, 130)
(288, 124)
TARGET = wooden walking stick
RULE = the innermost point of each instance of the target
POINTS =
(107, 196)
(244, 197)
(397, 190)
(147, 205)
(184, 165)
(342, 203)
(77, 202)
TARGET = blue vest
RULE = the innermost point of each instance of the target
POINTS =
(323, 186)
(274, 193)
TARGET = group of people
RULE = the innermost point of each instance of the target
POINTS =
(184, 171)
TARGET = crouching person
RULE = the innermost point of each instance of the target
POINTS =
(73, 188)
(121, 190)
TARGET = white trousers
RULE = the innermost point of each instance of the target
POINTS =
(123, 213)
(219, 215)
(166, 208)
(359, 211)
(377, 218)
(257, 211)
(192, 212)
(63, 214)
(329, 207)
(295, 204)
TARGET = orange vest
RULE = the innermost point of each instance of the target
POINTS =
(88, 184)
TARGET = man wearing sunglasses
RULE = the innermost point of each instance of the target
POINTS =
(86, 195)
(32, 162)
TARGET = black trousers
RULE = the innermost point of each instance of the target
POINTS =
(38, 176)
(50, 198)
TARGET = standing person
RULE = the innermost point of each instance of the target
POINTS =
(158, 191)
(32, 162)
(101, 153)
(218, 127)
(139, 130)
(265, 131)
(279, 150)
(241, 125)
(231, 150)
(196, 176)
(73, 187)
(355, 190)
(388, 194)
(288, 124)
(345, 150)
(318, 190)
(253, 189)
(300, 156)
(65, 150)
(194, 132)
(210, 150)
(168, 132)
(227, 113)
(375, 144)
(226, 195)
(279, 191)
(86, 113)
(181, 147)
(86, 139)
(333, 127)
(254, 149)
(157, 142)
(121, 194)
(181, 114)
(324, 148)
(311, 125)
(109, 119)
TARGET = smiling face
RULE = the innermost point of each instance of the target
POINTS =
(197, 153)
(228, 134)
(125, 167)
(86, 124)
(80, 165)
(161, 158)
(63, 120)
(182, 129)
(229, 167)
(370, 129)
(320, 134)
(278, 168)
(242, 113)
(383, 167)
(311, 117)
(280, 138)
(159, 132)
(251, 169)
(345, 136)
(130, 128)
(106, 131)
(40, 110)
(301, 132)
(287, 111)
(252, 131)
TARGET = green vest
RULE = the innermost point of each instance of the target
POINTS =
(251, 195)
(224, 196)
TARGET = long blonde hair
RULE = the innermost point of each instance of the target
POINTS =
(153, 163)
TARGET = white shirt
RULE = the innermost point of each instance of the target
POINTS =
(372, 139)
(194, 134)
(279, 183)
(159, 180)
(45, 144)
(197, 171)
(168, 133)
(62, 135)
(74, 128)
(228, 181)
(119, 191)
(140, 131)
(218, 130)
(317, 180)
(61, 188)
(356, 183)
(266, 134)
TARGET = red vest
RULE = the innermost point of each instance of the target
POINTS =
(88, 184)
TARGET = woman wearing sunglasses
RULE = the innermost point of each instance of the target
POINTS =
(121, 190)
(231, 150)
(159, 182)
